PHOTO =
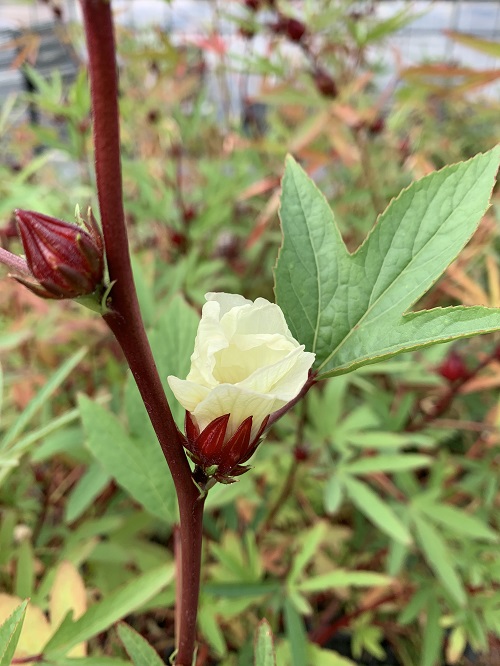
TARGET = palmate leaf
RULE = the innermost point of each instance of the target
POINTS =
(350, 309)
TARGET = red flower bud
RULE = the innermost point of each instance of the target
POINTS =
(292, 28)
(453, 368)
(208, 449)
(325, 83)
(377, 126)
(66, 260)
(253, 5)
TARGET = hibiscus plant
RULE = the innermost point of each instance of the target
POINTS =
(252, 361)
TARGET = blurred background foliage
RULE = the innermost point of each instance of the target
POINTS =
(368, 531)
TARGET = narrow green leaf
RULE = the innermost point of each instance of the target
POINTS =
(137, 466)
(459, 521)
(90, 661)
(489, 47)
(308, 548)
(376, 510)
(350, 309)
(211, 630)
(89, 487)
(343, 578)
(137, 647)
(387, 463)
(264, 645)
(415, 606)
(25, 570)
(105, 613)
(433, 636)
(333, 494)
(296, 635)
(326, 657)
(238, 590)
(173, 342)
(299, 601)
(41, 398)
(1, 389)
(8, 523)
(10, 632)
(367, 439)
(439, 558)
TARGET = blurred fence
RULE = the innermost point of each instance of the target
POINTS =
(424, 38)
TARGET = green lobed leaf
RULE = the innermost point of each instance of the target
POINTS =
(105, 613)
(350, 308)
(137, 647)
(264, 654)
(439, 559)
(138, 466)
(10, 632)
(376, 510)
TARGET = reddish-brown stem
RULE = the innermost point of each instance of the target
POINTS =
(125, 319)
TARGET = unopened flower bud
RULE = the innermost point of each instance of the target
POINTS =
(291, 27)
(66, 260)
(453, 368)
(325, 83)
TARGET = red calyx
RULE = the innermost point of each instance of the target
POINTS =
(208, 448)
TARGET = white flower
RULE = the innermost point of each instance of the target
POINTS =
(245, 363)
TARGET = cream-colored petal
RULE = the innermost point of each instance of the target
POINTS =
(261, 317)
(283, 379)
(188, 393)
(239, 403)
(209, 340)
(289, 385)
(226, 301)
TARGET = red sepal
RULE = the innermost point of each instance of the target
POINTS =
(255, 443)
(236, 447)
(210, 442)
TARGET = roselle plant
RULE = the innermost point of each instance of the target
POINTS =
(252, 361)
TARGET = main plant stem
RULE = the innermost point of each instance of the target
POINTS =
(125, 319)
